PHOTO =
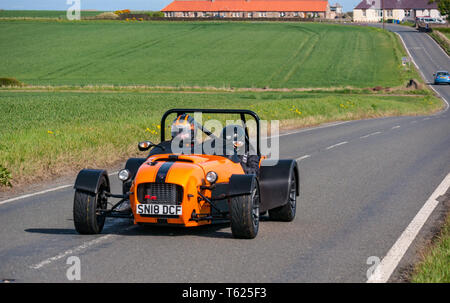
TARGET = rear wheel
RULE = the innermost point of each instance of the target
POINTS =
(87, 207)
(244, 213)
(286, 212)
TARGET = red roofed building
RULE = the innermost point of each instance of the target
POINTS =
(248, 9)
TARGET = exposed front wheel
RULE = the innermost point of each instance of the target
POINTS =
(244, 213)
(87, 207)
(287, 212)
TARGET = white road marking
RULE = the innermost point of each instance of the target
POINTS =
(335, 145)
(72, 251)
(77, 249)
(387, 266)
(303, 157)
(447, 105)
(413, 122)
(311, 129)
(424, 119)
(394, 127)
(34, 194)
(438, 46)
(41, 192)
(371, 134)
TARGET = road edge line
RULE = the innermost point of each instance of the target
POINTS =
(423, 76)
(41, 192)
(384, 270)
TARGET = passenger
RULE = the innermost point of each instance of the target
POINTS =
(236, 141)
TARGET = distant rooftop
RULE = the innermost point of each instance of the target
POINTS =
(396, 4)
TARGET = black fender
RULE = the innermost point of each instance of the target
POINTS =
(132, 165)
(237, 185)
(274, 179)
(88, 180)
(241, 185)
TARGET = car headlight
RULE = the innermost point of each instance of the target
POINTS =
(211, 177)
(124, 175)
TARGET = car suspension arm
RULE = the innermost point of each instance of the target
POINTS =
(211, 203)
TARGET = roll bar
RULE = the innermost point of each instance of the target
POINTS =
(241, 112)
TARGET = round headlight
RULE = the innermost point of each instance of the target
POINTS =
(124, 175)
(211, 177)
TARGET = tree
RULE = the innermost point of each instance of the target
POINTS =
(443, 6)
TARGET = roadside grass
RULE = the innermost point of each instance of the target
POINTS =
(49, 134)
(442, 37)
(205, 54)
(435, 266)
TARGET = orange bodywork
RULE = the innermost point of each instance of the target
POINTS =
(189, 172)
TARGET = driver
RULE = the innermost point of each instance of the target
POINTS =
(184, 132)
(235, 139)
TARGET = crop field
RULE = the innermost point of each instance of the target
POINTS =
(42, 14)
(48, 134)
(206, 54)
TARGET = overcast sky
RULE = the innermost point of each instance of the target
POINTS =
(108, 5)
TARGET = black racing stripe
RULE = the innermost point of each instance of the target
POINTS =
(162, 172)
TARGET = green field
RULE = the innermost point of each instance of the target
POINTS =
(217, 54)
(43, 134)
(42, 14)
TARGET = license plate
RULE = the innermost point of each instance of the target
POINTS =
(159, 209)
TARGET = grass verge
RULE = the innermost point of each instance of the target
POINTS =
(435, 266)
(48, 134)
(442, 37)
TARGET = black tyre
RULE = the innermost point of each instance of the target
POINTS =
(286, 212)
(244, 214)
(86, 208)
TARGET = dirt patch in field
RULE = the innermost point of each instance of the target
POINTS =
(392, 91)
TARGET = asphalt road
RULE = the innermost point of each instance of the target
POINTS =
(362, 182)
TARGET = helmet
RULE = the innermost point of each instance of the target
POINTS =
(184, 128)
(233, 136)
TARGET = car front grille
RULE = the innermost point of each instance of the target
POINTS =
(160, 193)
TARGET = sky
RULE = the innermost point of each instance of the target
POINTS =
(109, 5)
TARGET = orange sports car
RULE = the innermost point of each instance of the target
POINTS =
(194, 178)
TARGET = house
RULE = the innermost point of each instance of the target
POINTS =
(371, 10)
(248, 9)
(336, 11)
(337, 8)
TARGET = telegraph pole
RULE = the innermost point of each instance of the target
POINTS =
(382, 12)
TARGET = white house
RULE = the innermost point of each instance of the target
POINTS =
(372, 10)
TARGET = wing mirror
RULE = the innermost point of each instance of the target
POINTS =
(145, 145)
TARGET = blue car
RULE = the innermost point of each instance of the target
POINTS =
(441, 77)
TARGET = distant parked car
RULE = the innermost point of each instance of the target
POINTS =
(441, 77)
(440, 21)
